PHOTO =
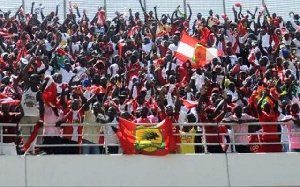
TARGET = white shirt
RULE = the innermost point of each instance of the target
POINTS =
(110, 136)
(173, 48)
(265, 40)
(50, 120)
(113, 69)
(66, 76)
(239, 128)
(29, 103)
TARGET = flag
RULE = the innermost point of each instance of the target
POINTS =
(190, 104)
(203, 55)
(189, 48)
(50, 93)
(6, 34)
(101, 18)
(186, 47)
(10, 102)
(32, 137)
(154, 140)
(61, 52)
(121, 45)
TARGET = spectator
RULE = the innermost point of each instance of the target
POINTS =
(240, 141)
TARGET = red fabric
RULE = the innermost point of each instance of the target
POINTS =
(143, 120)
(61, 52)
(264, 117)
(133, 30)
(216, 130)
(190, 104)
(160, 77)
(134, 68)
(242, 29)
(101, 18)
(49, 94)
(183, 72)
(121, 45)
(205, 35)
(255, 146)
(127, 137)
(32, 137)
(68, 130)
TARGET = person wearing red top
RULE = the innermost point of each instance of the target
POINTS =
(144, 114)
(168, 113)
(184, 72)
(213, 134)
(134, 67)
(266, 114)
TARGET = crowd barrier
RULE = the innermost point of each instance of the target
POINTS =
(238, 170)
(201, 133)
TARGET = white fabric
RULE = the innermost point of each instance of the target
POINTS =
(113, 69)
(240, 128)
(110, 136)
(66, 76)
(50, 120)
(174, 48)
(29, 103)
(265, 40)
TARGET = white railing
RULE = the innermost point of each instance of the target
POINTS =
(202, 134)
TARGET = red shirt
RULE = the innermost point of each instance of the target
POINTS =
(272, 117)
(161, 79)
(217, 130)
(143, 120)
(134, 70)
(68, 130)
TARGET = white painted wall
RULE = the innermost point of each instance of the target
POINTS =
(139, 170)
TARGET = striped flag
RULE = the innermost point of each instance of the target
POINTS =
(186, 47)
(189, 48)
(190, 104)
(203, 55)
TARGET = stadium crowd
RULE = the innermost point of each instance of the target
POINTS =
(87, 70)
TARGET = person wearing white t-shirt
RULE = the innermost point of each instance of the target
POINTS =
(66, 73)
(52, 133)
(113, 69)
(239, 117)
(110, 137)
(174, 46)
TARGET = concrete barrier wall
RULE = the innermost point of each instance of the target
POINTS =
(138, 170)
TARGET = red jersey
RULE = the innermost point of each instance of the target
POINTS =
(272, 117)
(134, 70)
(73, 132)
(143, 120)
(216, 130)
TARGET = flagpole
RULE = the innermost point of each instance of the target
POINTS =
(65, 9)
(23, 4)
(184, 7)
(224, 7)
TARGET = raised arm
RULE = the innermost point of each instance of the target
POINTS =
(190, 12)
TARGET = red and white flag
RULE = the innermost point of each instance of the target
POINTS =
(101, 18)
(189, 104)
(203, 55)
(186, 47)
(50, 93)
